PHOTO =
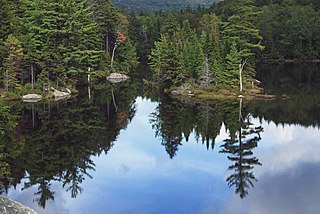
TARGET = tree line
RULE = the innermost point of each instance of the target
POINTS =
(208, 45)
(43, 41)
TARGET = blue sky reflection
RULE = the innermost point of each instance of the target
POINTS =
(137, 175)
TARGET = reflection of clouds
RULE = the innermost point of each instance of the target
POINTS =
(285, 193)
(26, 197)
(124, 169)
(278, 153)
(288, 179)
(137, 175)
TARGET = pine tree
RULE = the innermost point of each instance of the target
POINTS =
(211, 45)
(231, 76)
(9, 23)
(191, 53)
(61, 37)
(166, 64)
(241, 31)
(127, 56)
(106, 16)
(12, 64)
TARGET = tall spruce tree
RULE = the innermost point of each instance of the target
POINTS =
(241, 31)
(165, 58)
(191, 52)
(212, 48)
(12, 64)
(61, 37)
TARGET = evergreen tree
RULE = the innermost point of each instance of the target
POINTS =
(12, 64)
(241, 31)
(127, 56)
(61, 37)
(106, 16)
(231, 76)
(165, 61)
(191, 52)
(211, 45)
(9, 24)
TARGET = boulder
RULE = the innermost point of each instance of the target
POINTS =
(32, 98)
(117, 77)
(8, 206)
(60, 95)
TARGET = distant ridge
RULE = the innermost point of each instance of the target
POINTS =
(164, 5)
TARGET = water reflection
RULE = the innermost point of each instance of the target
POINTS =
(52, 148)
(176, 119)
(56, 141)
(239, 148)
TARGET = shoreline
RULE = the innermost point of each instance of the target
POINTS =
(9, 206)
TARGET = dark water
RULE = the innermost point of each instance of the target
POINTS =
(125, 150)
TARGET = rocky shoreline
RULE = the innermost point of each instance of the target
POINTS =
(8, 206)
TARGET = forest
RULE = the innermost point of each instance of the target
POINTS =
(61, 42)
(164, 5)
(164, 48)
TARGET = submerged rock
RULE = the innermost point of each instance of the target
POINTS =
(117, 77)
(32, 98)
(8, 206)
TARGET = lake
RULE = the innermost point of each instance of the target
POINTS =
(120, 149)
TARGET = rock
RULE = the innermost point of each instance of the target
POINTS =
(117, 77)
(57, 94)
(8, 206)
(60, 95)
(31, 98)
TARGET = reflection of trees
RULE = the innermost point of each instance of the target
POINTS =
(302, 110)
(167, 123)
(291, 78)
(175, 119)
(65, 137)
(239, 149)
(7, 125)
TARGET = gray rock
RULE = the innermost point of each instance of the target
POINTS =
(59, 94)
(117, 77)
(8, 206)
(31, 98)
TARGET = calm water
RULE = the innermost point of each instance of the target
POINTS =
(125, 150)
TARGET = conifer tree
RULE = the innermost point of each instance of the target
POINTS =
(211, 45)
(191, 53)
(241, 31)
(166, 58)
(12, 63)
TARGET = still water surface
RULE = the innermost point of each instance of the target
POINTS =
(122, 151)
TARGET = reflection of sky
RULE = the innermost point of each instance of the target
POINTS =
(138, 176)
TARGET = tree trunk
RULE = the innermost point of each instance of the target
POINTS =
(241, 67)
(112, 57)
(240, 76)
(7, 85)
(32, 76)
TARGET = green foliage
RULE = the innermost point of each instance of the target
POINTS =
(201, 54)
(290, 31)
(164, 5)
(60, 138)
(231, 75)
(7, 125)
(212, 45)
(12, 64)
(60, 40)
(127, 57)
(166, 62)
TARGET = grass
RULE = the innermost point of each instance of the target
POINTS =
(219, 93)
